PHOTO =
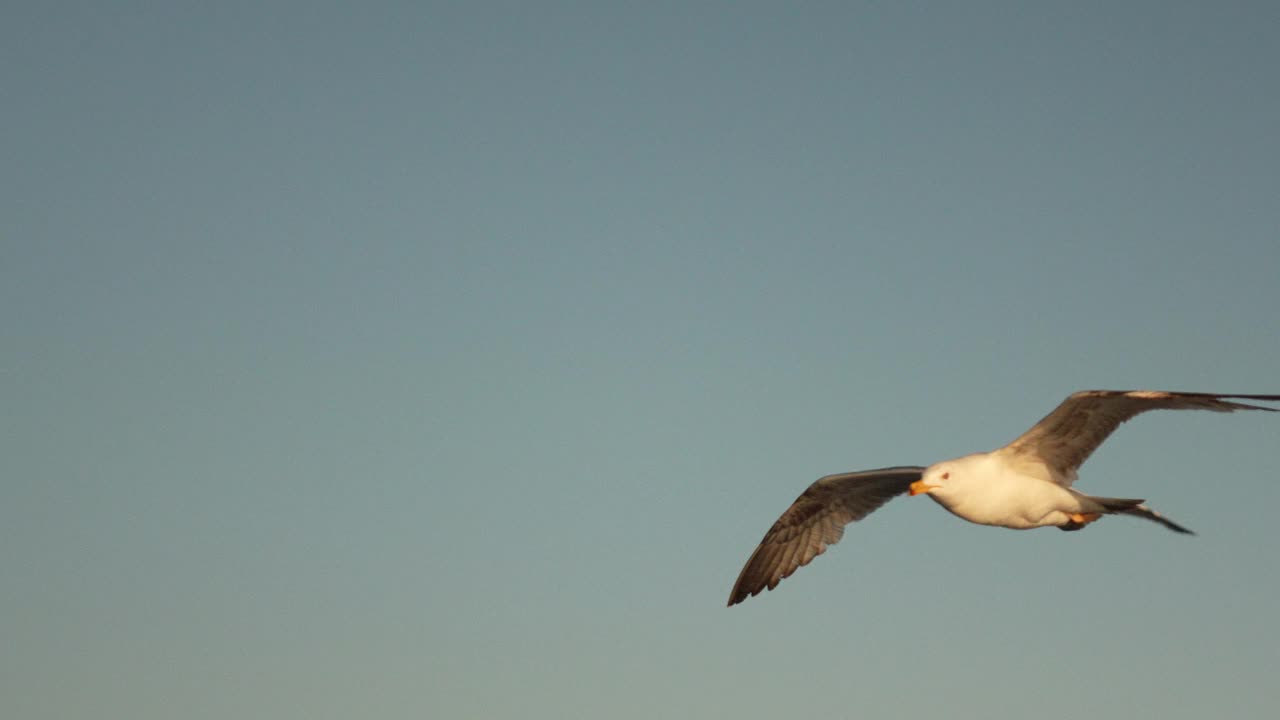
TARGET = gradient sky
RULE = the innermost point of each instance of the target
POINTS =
(406, 360)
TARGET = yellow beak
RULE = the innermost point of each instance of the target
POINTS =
(920, 487)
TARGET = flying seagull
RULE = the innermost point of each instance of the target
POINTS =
(1025, 484)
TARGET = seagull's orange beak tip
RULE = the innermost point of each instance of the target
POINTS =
(918, 487)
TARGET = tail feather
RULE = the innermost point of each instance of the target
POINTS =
(1127, 506)
(1116, 505)
(1147, 513)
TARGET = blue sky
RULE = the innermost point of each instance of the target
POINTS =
(448, 360)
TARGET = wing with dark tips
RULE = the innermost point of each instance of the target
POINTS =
(1066, 437)
(815, 520)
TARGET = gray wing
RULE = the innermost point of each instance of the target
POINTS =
(815, 520)
(1066, 437)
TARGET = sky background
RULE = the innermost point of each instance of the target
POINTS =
(448, 360)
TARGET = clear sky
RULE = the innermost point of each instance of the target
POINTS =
(405, 360)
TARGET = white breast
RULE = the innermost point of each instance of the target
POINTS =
(985, 489)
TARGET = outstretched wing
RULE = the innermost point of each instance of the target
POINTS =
(1066, 437)
(815, 520)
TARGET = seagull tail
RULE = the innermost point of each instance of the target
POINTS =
(1125, 506)
(1116, 505)
(1147, 513)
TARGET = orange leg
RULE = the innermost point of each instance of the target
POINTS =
(1083, 519)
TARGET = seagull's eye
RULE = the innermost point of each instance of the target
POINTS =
(946, 475)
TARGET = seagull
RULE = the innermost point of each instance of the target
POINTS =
(1025, 484)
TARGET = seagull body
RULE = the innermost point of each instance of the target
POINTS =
(1023, 485)
(984, 489)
